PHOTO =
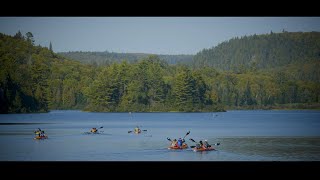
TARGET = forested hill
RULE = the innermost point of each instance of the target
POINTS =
(105, 58)
(35, 79)
(261, 51)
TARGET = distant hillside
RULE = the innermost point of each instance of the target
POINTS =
(261, 51)
(103, 58)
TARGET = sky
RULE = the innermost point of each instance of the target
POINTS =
(157, 35)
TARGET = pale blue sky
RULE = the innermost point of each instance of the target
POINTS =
(159, 35)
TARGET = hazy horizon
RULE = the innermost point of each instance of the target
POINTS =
(152, 35)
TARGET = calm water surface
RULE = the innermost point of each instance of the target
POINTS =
(243, 136)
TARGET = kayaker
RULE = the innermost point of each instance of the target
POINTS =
(206, 144)
(174, 143)
(200, 145)
(38, 131)
(180, 142)
(137, 130)
(94, 130)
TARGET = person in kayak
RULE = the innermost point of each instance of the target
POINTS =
(200, 145)
(203, 144)
(174, 143)
(181, 142)
(94, 130)
(206, 144)
(38, 132)
(137, 130)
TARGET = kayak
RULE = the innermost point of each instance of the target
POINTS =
(203, 149)
(184, 146)
(41, 137)
(92, 132)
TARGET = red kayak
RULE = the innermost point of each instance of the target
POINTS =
(203, 149)
(184, 146)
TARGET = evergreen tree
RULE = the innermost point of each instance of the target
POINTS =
(50, 47)
(29, 36)
(19, 35)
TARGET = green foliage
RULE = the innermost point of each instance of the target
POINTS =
(235, 75)
(261, 51)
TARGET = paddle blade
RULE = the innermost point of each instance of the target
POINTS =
(192, 140)
(186, 134)
(145, 130)
(168, 139)
(129, 131)
(101, 127)
(192, 146)
(217, 144)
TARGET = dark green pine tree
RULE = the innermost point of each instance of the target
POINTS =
(50, 47)
(30, 37)
(184, 90)
(18, 35)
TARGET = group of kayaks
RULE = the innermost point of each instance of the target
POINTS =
(174, 146)
(200, 146)
(195, 149)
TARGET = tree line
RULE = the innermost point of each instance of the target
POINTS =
(35, 79)
(107, 58)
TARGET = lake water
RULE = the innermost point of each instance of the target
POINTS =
(243, 136)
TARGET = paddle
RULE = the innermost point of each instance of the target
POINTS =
(183, 137)
(140, 127)
(186, 134)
